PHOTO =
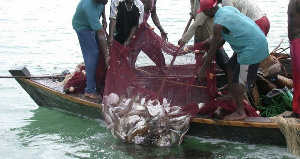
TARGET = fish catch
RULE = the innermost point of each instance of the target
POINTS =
(147, 122)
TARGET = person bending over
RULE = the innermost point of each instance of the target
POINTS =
(249, 44)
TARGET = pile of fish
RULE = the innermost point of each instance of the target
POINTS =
(136, 120)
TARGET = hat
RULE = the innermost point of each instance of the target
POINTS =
(206, 4)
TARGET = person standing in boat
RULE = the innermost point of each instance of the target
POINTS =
(251, 10)
(294, 37)
(125, 17)
(150, 9)
(147, 42)
(249, 44)
(91, 36)
(201, 29)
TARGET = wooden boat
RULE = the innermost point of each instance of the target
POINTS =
(46, 93)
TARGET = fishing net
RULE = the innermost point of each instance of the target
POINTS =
(147, 100)
(153, 104)
(290, 127)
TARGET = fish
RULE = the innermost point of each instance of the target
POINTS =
(112, 99)
(148, 122)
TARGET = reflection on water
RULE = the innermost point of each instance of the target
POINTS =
(83, 137)
(59, 134)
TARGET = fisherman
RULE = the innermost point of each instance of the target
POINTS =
(125, 17)
(249, 44)
(251, 10)
(91, 35)
(201, 29)
(294, 37)
(150, 9)
(147, 42)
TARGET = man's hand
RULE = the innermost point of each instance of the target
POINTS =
(110, 40)
(126, 43)
(164, 35)
(104, 24)
(201, 74)
(181, 43)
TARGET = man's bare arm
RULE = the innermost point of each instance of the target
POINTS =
(215, 44)
(130, 36)
(112, 25)
(103, 45)
(156, 21)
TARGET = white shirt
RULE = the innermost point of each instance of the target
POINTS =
(114, 4)
(247, 7)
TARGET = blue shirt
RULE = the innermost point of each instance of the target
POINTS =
(87, 15)
(243, 35)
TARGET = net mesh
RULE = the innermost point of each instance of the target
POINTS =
(153, 104)
(290, 127)
(181, 85)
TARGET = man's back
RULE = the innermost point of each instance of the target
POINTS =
(243, 35)
(247, 7)
(87, 15)
(294, 19)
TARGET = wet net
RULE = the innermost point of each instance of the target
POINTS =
(290, 127)
(153, 104)
(146, 100)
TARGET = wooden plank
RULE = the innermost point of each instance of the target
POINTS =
(62, 95)
(235, 123)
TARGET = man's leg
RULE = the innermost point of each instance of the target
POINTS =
(243, 76)
(239, 112)
(90, 52)
(222, 59)
(231, 64)
(230, 95)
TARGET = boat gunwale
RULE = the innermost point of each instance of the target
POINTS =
(60, 94)
(198, 120)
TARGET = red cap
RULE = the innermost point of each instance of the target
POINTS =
(206, 4)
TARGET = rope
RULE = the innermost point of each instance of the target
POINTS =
(191, 85)
(277, 105)
(167, 74)
(179, 83)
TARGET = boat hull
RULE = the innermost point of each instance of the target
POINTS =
(251, 135)
(251, 130)
(48, 97)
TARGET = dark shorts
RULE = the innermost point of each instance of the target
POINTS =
(243, 74)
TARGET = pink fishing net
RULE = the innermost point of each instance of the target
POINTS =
(176, 83)
(153, 104)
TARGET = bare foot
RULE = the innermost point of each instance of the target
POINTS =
(92, 95)
(235, 116)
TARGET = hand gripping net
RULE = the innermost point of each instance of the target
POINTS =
(152, 104)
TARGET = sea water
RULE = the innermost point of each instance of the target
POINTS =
(38, 34)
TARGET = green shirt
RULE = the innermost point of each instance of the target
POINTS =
(87, 15)
(243, 35)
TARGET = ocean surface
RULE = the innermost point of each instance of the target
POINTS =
(38, 34)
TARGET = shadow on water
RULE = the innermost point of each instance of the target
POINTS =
(186, 150)
(80, 137)
(63, 135)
